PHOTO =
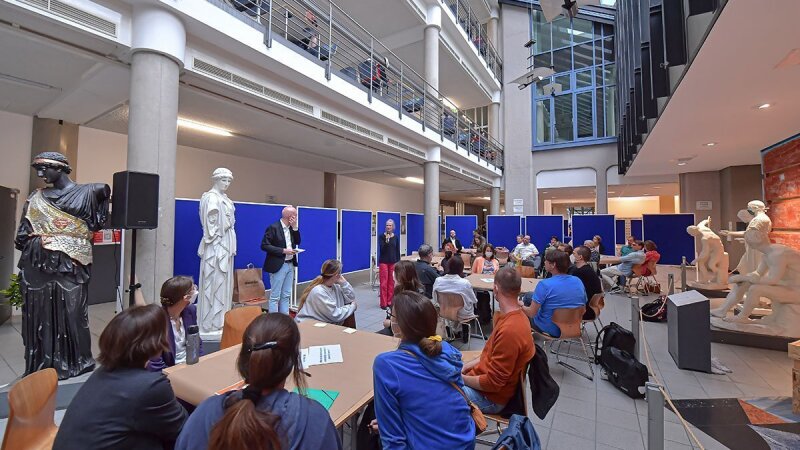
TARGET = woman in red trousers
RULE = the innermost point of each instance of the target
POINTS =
(388, 255)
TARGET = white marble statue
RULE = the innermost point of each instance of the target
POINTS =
(756, 218)
(776, 278)
(712, 262)
(216, 252)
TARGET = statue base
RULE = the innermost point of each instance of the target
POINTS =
(747, 338)
(711, 290)
(212, 336)
(766, 326)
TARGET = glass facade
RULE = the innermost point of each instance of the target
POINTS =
(582, 54)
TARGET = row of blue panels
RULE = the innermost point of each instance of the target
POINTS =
(323, 230)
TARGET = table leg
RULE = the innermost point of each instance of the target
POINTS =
(353, 431)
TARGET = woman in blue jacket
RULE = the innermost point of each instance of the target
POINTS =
(414, 384)
(177, 301)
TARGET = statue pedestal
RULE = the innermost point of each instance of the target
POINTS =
(711, 290)
(214, 336)
(748, 338)
(794, 354)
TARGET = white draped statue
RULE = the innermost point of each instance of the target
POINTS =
(216, 252)
(756, 218)
(712, 262)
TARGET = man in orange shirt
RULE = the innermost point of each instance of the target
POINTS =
(491, 380)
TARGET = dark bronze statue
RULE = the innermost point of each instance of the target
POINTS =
(55, 235)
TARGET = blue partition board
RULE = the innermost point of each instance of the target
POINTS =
(540, 228)
(356, 244)
(585, 227)
(415, 232)
(383, 216)
(319, 244)
(252, 219)
(464, 226)
(502, 231)
(567, 237)
(636, 228)
(621, 236)
(668, 231)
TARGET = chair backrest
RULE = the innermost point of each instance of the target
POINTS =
(597, 303)
(502, 257)
(637, 269)
(467, 258)
(32, 406)
(526, 272)
(236, 321)
(568, 320)
(439, 254)
(449, 304)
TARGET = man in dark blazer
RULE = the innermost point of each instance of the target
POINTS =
(453, 240)
(280, 242)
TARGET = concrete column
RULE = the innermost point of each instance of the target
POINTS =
(51, 135)
(329, 197)
(494, 198)
(601, 179)
(494, 120)
(431, 202)
(492, 30)
(159, 42)
(431, 56)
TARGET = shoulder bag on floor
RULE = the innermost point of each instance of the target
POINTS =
(519, 435)
(655, 311)
(624, 371)
(613, 335)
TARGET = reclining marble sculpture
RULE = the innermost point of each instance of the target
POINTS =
(712, 262)
(777, 278)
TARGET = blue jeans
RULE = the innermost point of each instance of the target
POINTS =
(281, 284)
(484, 404)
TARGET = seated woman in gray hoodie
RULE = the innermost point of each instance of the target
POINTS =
(263, 415)
(329, 298)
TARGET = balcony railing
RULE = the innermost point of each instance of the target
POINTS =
(477, 34)
(327, 34)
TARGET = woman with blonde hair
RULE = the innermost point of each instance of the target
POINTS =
(263, 415)
(329, 297)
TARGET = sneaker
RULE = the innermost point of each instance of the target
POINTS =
(465, 333)
(616, 290)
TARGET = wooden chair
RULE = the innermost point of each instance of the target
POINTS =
(32, 406)
(526, 271)
(236, 321)
(570, 322)
(450, 303)
(467, 258)
(502, 257)
(520, 406)
(596, 304)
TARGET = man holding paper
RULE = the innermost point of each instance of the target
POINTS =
(280, 242)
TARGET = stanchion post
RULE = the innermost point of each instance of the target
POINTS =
(635, 325)
(670, 284)
(655, 416)
(683, 274)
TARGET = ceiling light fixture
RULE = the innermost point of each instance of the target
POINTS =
(484, 210)
(484, 198)
(763, 106)
(682, 163)
(205, 128)
(414, 180)
(710, 144)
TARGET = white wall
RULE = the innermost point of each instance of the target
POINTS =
(630, 207)
(358, 194)
(15, 151)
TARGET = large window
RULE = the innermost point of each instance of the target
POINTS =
(582, 54)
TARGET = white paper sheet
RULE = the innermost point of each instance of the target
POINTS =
(321, 354)
(487, 280)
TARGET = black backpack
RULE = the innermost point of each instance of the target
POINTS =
(613, 335)
(624, 371)
(655, 311)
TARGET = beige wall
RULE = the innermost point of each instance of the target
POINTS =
(358, 194)
(633, 207)
(15, 133)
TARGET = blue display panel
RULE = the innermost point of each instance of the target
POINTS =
(464, 226)
(356, 235)
(415, 232)
(541, 228)
(621, 231)
(252, 219)
(668, 231)
(636, 228)
(319, 244)
(502, 231)
(383, 216)
(567, 237)
(585, 227)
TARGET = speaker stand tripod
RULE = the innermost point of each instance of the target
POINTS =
(133, 285)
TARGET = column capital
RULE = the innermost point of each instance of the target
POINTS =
(434, 17)
(496, 96)
(157, 30)
(497, 182)
(434, 154)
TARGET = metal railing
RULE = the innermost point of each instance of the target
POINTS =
(477, 34)
(334, 39)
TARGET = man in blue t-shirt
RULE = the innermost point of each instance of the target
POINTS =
(559, 291)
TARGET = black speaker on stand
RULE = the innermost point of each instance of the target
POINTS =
(134, 206)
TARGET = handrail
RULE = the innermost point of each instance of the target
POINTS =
(477, 34)
(337, 41)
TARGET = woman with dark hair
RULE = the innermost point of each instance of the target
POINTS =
(177, 300)
(449, 251)
(122, 405)
(405, 279)
(485, 264)
(264, 415)
(650, 254)
(329, 297)
(422, 372)
(452, 282)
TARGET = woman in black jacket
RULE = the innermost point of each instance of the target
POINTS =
(388, 255)
(123, 405)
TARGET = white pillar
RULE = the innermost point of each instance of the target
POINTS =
(492, 30)
(601, 203)
(431, 56)
(159, 43)
(494, 197)
(431, 207)
(494, 117)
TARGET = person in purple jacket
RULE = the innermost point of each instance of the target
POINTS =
(177, 300)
